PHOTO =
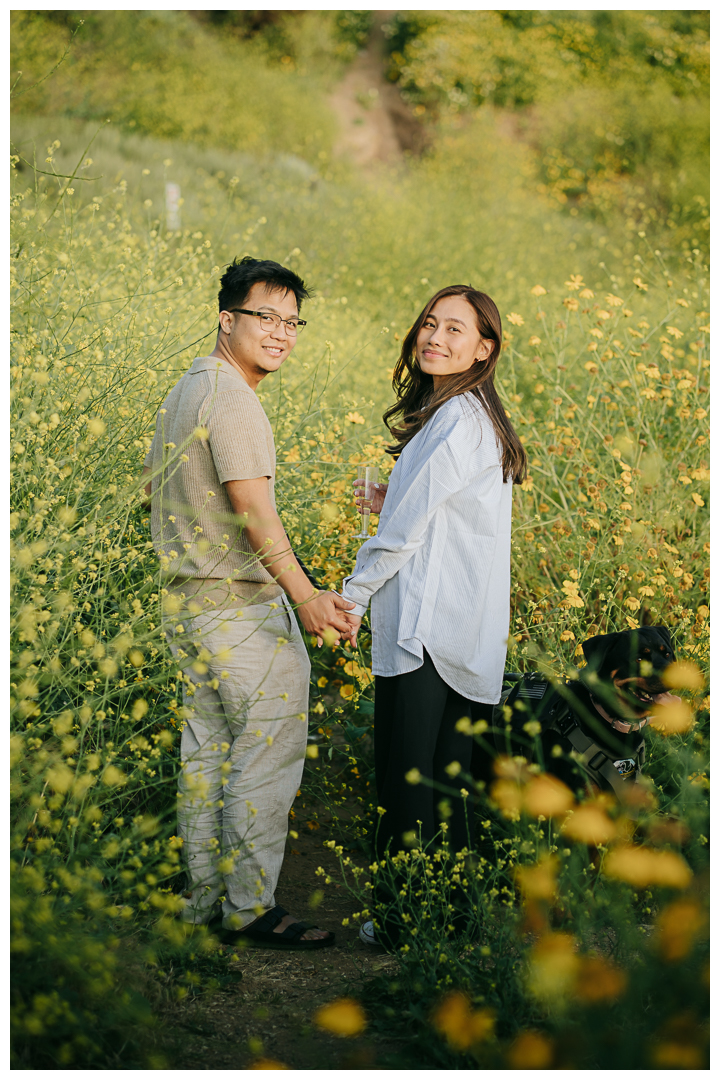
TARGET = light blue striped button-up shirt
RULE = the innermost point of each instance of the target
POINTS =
(438, 570)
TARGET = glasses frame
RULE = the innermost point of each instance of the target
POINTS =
(299, 323)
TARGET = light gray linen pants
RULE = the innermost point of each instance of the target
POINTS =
(242, 749)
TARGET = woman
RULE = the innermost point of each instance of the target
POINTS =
(438, 570)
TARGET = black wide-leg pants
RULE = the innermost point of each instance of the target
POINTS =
(415, 718)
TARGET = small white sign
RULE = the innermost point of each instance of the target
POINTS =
(172, 207)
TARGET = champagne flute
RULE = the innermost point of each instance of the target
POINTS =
(369, 475)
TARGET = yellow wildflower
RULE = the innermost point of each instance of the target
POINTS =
(344, 1017)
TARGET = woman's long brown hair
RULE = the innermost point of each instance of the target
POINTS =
(418, 402)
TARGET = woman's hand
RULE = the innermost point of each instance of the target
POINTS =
(351, 635)
(378, 492)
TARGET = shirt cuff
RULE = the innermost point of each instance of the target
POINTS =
(359, 609)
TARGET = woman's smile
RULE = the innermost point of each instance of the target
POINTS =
(449, 341)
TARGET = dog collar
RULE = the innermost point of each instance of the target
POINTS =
(619, 725)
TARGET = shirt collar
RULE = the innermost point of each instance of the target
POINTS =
(216, 363)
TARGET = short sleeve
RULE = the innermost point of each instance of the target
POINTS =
(238, 436)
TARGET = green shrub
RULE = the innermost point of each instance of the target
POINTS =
(614, 104)
(352, 29)
(162, 73)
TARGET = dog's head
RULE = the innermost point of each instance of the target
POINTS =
(633, 662)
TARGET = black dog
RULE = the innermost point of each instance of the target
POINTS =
(589, 731)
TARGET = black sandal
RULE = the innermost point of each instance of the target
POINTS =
(262, 933)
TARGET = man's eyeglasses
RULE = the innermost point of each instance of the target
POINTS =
(270, 322)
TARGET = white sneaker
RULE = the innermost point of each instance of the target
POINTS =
(366, 933)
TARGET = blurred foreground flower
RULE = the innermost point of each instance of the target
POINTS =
(669, 831)
(113, 777)
(675, 718)
(642, 867)
(677, 927)
(554, 965)
(530, 1050)
(267, 1063)
(511, 768)
(96, 426)
(507, 794)
(557, 970)
(598, 980)
(683, 675)
(547, 796)
(462, 1025)
(638, 796)
(344, 1017)
(541, 795)
(60, 778)
(589, 824)
(538, 881)
(681, 1044)
(330, 511)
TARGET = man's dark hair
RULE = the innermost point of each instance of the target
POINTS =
(240, 276)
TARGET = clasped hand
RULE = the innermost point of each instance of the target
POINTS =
(327, 611)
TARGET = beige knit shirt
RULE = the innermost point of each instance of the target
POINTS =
(194, 529)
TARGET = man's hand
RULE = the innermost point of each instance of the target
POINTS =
(325, 610)
(341, 604)
(319, 612)
(351, 635)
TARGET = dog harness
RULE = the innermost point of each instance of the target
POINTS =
(548, 703)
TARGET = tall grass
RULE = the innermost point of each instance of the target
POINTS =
(605, 374)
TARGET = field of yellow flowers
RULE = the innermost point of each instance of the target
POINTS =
(591, 938)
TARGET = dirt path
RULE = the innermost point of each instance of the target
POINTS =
(268, 1013)
(376, 126)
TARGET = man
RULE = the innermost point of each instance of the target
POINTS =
(230, 571)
